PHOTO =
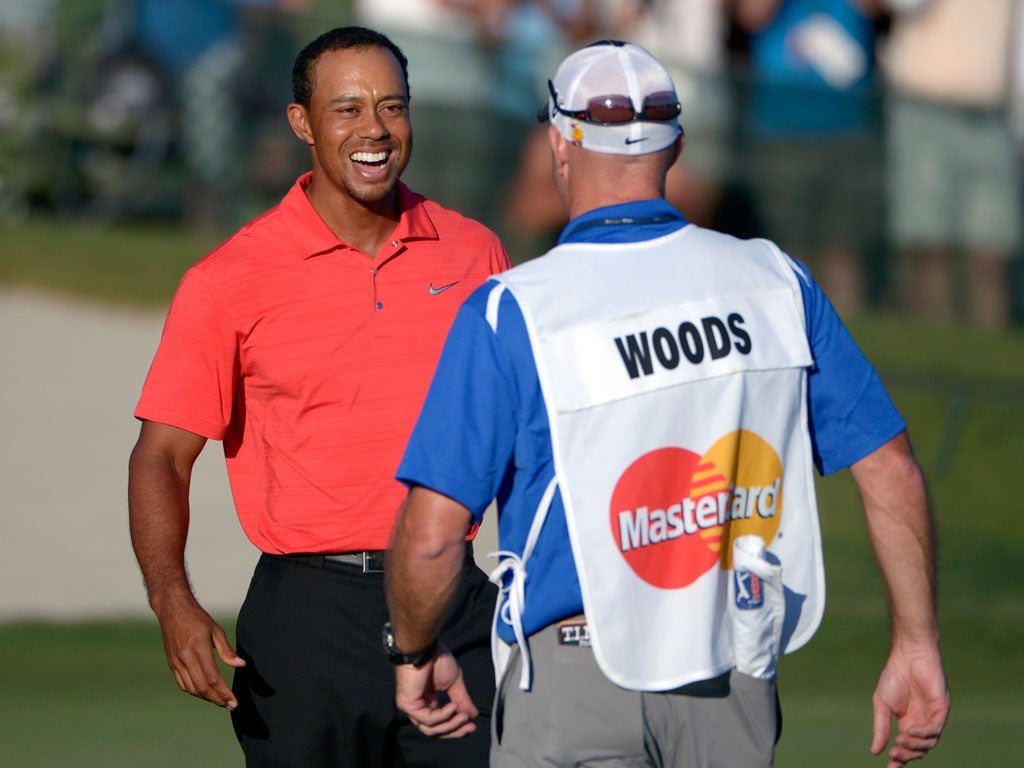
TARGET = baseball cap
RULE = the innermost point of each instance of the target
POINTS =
(613, 97)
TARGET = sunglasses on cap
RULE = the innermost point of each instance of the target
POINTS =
(617, 109)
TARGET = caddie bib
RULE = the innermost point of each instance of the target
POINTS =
(674, 376)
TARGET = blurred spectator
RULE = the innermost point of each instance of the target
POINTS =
(1017, 81)
(117, 109)
(177, 33)
(524, 40)
(533, 214)
(525, 37)
(953, 177)
(27, 51)
(689, 37)
(238, 151)
(103, 112)
(529, 213)
(453, 97)
(477, 84)
(814, 161)
(139, 92)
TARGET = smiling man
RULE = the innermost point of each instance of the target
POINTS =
(305, 343)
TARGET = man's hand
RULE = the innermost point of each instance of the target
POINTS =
(424, 567)
(190, 638)
(416, 690)
(159, 476)
(912, 688)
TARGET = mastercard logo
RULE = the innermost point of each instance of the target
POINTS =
(674, 513)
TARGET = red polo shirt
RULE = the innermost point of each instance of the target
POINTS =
(310, 360)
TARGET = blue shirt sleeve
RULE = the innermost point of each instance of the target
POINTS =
(851, 413)
(477, 422)
(483, 434)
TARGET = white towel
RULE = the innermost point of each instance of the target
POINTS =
(757, 608)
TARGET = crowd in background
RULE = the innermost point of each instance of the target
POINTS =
(879, 141)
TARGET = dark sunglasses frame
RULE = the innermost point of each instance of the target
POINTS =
(613, 105)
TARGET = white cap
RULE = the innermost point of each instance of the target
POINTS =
(611, 67)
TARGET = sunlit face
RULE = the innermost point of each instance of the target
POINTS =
(358, 122)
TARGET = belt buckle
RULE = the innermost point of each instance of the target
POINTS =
(373, 562)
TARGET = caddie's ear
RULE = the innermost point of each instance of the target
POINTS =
(559, 153)
(560, 165)
(677, 148)
(298, 119)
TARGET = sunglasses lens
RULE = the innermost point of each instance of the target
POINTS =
(610, 109)
(618, 109)
(661, 106)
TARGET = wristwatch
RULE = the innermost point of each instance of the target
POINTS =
(398, 656)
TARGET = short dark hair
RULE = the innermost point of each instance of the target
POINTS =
(339, 39)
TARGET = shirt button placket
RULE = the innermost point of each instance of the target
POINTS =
(373, 287)
(378, 303)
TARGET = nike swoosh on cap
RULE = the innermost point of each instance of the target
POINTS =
(636, 141)
(434, 291)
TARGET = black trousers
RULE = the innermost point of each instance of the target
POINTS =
(317, 689)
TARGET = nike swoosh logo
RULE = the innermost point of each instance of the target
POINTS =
(636, 141)
(434, 291)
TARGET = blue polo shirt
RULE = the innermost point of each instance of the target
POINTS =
(483, 432)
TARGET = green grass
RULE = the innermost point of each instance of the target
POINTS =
(132, 265)
(826, 687)
(102, 695)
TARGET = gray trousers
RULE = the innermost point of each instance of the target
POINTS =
(574, 717)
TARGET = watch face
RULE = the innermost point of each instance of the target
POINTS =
(398, 656)
(389, 639)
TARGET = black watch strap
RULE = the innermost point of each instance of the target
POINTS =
(397, 656)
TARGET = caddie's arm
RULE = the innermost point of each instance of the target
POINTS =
(423, 572)
(159, 477)
(912, 687)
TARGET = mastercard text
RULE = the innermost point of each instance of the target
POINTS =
(643, 526)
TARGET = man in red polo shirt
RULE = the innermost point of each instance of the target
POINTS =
(305, 343)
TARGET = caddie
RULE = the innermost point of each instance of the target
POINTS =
(647, 403)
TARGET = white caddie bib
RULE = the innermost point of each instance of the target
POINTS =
(674, 375)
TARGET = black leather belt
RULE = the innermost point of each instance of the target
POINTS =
(368, 561)
(371, 560)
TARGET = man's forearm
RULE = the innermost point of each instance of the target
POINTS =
(158, 518)
(424, 566)
(902, 533)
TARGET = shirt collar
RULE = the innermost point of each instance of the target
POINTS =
(606, 223)
(314, 237)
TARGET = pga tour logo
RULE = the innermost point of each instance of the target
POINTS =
(749, 595)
